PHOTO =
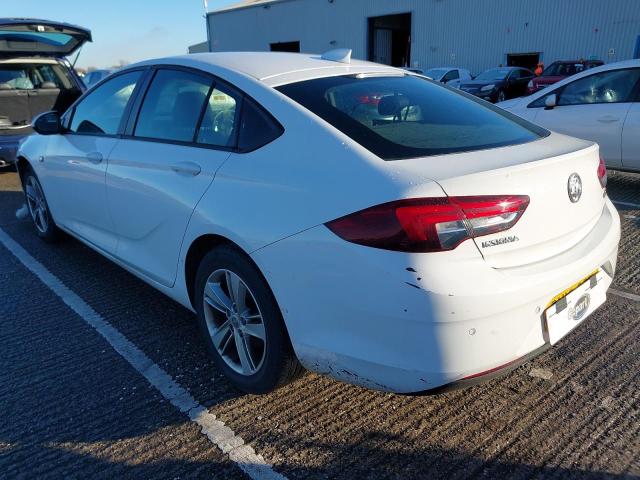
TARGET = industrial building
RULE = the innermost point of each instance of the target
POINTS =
(474, 34)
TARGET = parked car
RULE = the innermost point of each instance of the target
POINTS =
(34, 75)
(94, 76)
(599, 104)
(437, 242)
(559, 70)
(449, 75)
(499, 84)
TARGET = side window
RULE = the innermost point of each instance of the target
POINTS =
(218, 125)
(172, 105)
(451, 75)
(101, 111)
(606, 87)
(257, 128)
(525, 75)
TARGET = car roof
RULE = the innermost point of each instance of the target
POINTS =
(577, 61)
(273, 68)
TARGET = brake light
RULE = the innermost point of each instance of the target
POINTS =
(430, 224)
(602, 173)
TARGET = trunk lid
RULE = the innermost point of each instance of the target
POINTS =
(32, 37)
(552, 223)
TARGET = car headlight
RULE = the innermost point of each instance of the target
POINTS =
(488, 88)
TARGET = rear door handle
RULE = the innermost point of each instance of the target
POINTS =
(608, 119)
(94, 157)
(186, 168)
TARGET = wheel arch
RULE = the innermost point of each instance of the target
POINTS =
(199, 249)
(22, 165)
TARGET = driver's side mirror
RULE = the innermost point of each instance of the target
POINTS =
(47, 123)
(550, 102)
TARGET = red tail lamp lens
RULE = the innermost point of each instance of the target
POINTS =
(430, 224)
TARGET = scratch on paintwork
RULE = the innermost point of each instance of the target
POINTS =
(413, 285)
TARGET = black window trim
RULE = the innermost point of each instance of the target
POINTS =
(71, 111)
(216, 81)
(634, 96)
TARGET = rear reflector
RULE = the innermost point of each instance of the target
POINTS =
(430, 224)
(602, 173)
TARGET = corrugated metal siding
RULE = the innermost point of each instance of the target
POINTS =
(476, 34)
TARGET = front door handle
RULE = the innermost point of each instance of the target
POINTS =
(186, 168)
(608, 119)
(95, 157)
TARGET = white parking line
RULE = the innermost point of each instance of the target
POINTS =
(626, 204)
(630, 296)
(218, 433)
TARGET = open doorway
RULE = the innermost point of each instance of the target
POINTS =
(286, 47)
(390, 39)
(524, 60)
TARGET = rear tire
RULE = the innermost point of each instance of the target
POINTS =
(39, 208)
(242, 324)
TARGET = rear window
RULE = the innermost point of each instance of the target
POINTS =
(29, 76)
(409, 117)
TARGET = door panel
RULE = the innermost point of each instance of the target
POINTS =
(153, 189)
(76, 162)
(631, 139)
(74, 170)
(601, 123)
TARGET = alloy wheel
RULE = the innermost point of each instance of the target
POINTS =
(234, 322)
(36, 204)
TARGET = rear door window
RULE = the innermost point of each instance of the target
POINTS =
(218, 127)
(400, 117)
(172, 106)
(100, 112)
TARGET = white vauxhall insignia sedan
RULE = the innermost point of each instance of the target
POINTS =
(350, 218)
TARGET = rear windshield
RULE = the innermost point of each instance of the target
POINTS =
(494, 74)
(408, 117)
(436, 73)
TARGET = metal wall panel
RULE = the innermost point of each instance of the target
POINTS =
(476, 34)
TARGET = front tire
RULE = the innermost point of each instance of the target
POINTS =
(39, 208)
(242, 324)
(501, 97)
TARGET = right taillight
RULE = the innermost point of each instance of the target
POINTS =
(602, 173)
(430, 224)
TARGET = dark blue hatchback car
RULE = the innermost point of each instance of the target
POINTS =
(35, 75)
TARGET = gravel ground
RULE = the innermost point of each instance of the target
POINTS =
(72, 407)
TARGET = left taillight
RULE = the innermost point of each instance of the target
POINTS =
(430, 224)
(602, 173)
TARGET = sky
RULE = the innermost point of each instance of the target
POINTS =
(124, 30)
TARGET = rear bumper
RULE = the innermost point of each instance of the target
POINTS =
(415, 323)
